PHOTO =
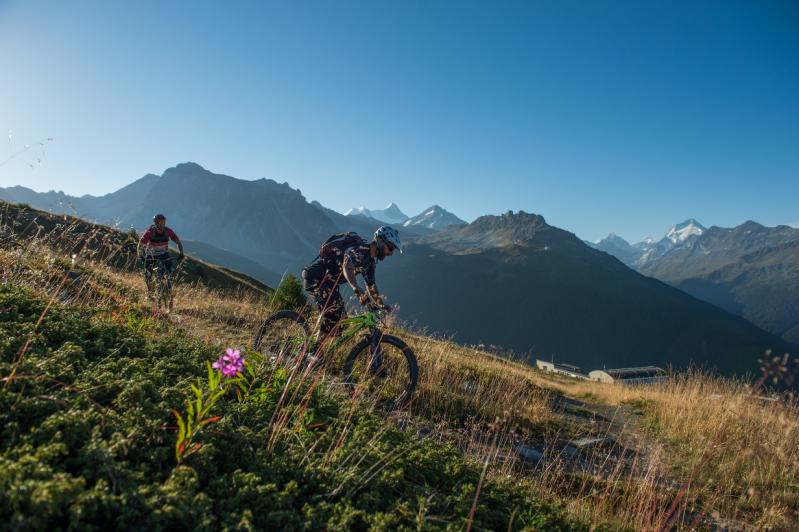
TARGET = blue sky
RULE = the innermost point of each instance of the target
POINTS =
(602, 116)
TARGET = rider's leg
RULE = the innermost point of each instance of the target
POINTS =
(148, 277)
(170, 271)
(331, 309)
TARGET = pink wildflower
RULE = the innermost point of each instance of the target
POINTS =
(230, 364)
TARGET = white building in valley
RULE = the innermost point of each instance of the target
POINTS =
(642, 375)
(561, 369)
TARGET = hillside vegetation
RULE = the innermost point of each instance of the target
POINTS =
(89, 379)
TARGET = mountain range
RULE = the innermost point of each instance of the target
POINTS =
(650, 250)
(262, 220)
(554, 297)
(750, 270)
(391, 214)
(511, 280)
(433, 218)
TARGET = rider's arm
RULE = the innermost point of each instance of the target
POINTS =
(371, 289)
(352, 264)
(175, 239)
(350, 275)
(371, 286)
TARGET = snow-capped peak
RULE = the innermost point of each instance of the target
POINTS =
(363, 211)
(681, 232)
(434, 217)
(391, 214)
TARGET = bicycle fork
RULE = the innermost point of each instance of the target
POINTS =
(375, 356)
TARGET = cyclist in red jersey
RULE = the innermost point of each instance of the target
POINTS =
(154, 246)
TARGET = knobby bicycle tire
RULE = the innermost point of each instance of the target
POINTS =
(361, 351)
(273, 322)
(164, 283)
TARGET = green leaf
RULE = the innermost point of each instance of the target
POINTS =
(181, 425)
(209, 420)
(181, 435)
(190, 416)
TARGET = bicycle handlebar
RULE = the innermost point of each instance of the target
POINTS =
(171, 258)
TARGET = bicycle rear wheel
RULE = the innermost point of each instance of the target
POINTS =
(282, 337)
(386, 374)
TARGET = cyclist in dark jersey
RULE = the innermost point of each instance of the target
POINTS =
(344, 262)
(154, 246)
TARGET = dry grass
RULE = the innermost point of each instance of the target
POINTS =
(703, 448)
(735, 451)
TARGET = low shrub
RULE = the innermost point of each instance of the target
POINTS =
(88, 441)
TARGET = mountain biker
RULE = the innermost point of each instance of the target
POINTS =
(154, 246)
(341, 258)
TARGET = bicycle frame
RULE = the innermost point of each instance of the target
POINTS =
(390, 365)
(159, 267)
(162, 276)
(349, 328)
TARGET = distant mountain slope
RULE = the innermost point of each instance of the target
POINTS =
(618, 247)
(750, 270)
(366, 226)
(514, 280)
(47, 201)
(430, 220)
(262, 220)
(490, 232)
(208, 253)
(649, 250)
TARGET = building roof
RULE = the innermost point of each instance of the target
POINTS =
(634, 373)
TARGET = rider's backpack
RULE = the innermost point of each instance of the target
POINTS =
(339, 242)
(156, 238)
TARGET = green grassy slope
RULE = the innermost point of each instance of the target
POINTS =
(87, 442)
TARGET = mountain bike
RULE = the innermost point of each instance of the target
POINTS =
(160, 287)
(380, 366)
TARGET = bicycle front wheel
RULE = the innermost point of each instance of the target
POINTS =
(385, 373)
(165, 292)
(282, 337)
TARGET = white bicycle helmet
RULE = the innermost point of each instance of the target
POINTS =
(389, 235)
